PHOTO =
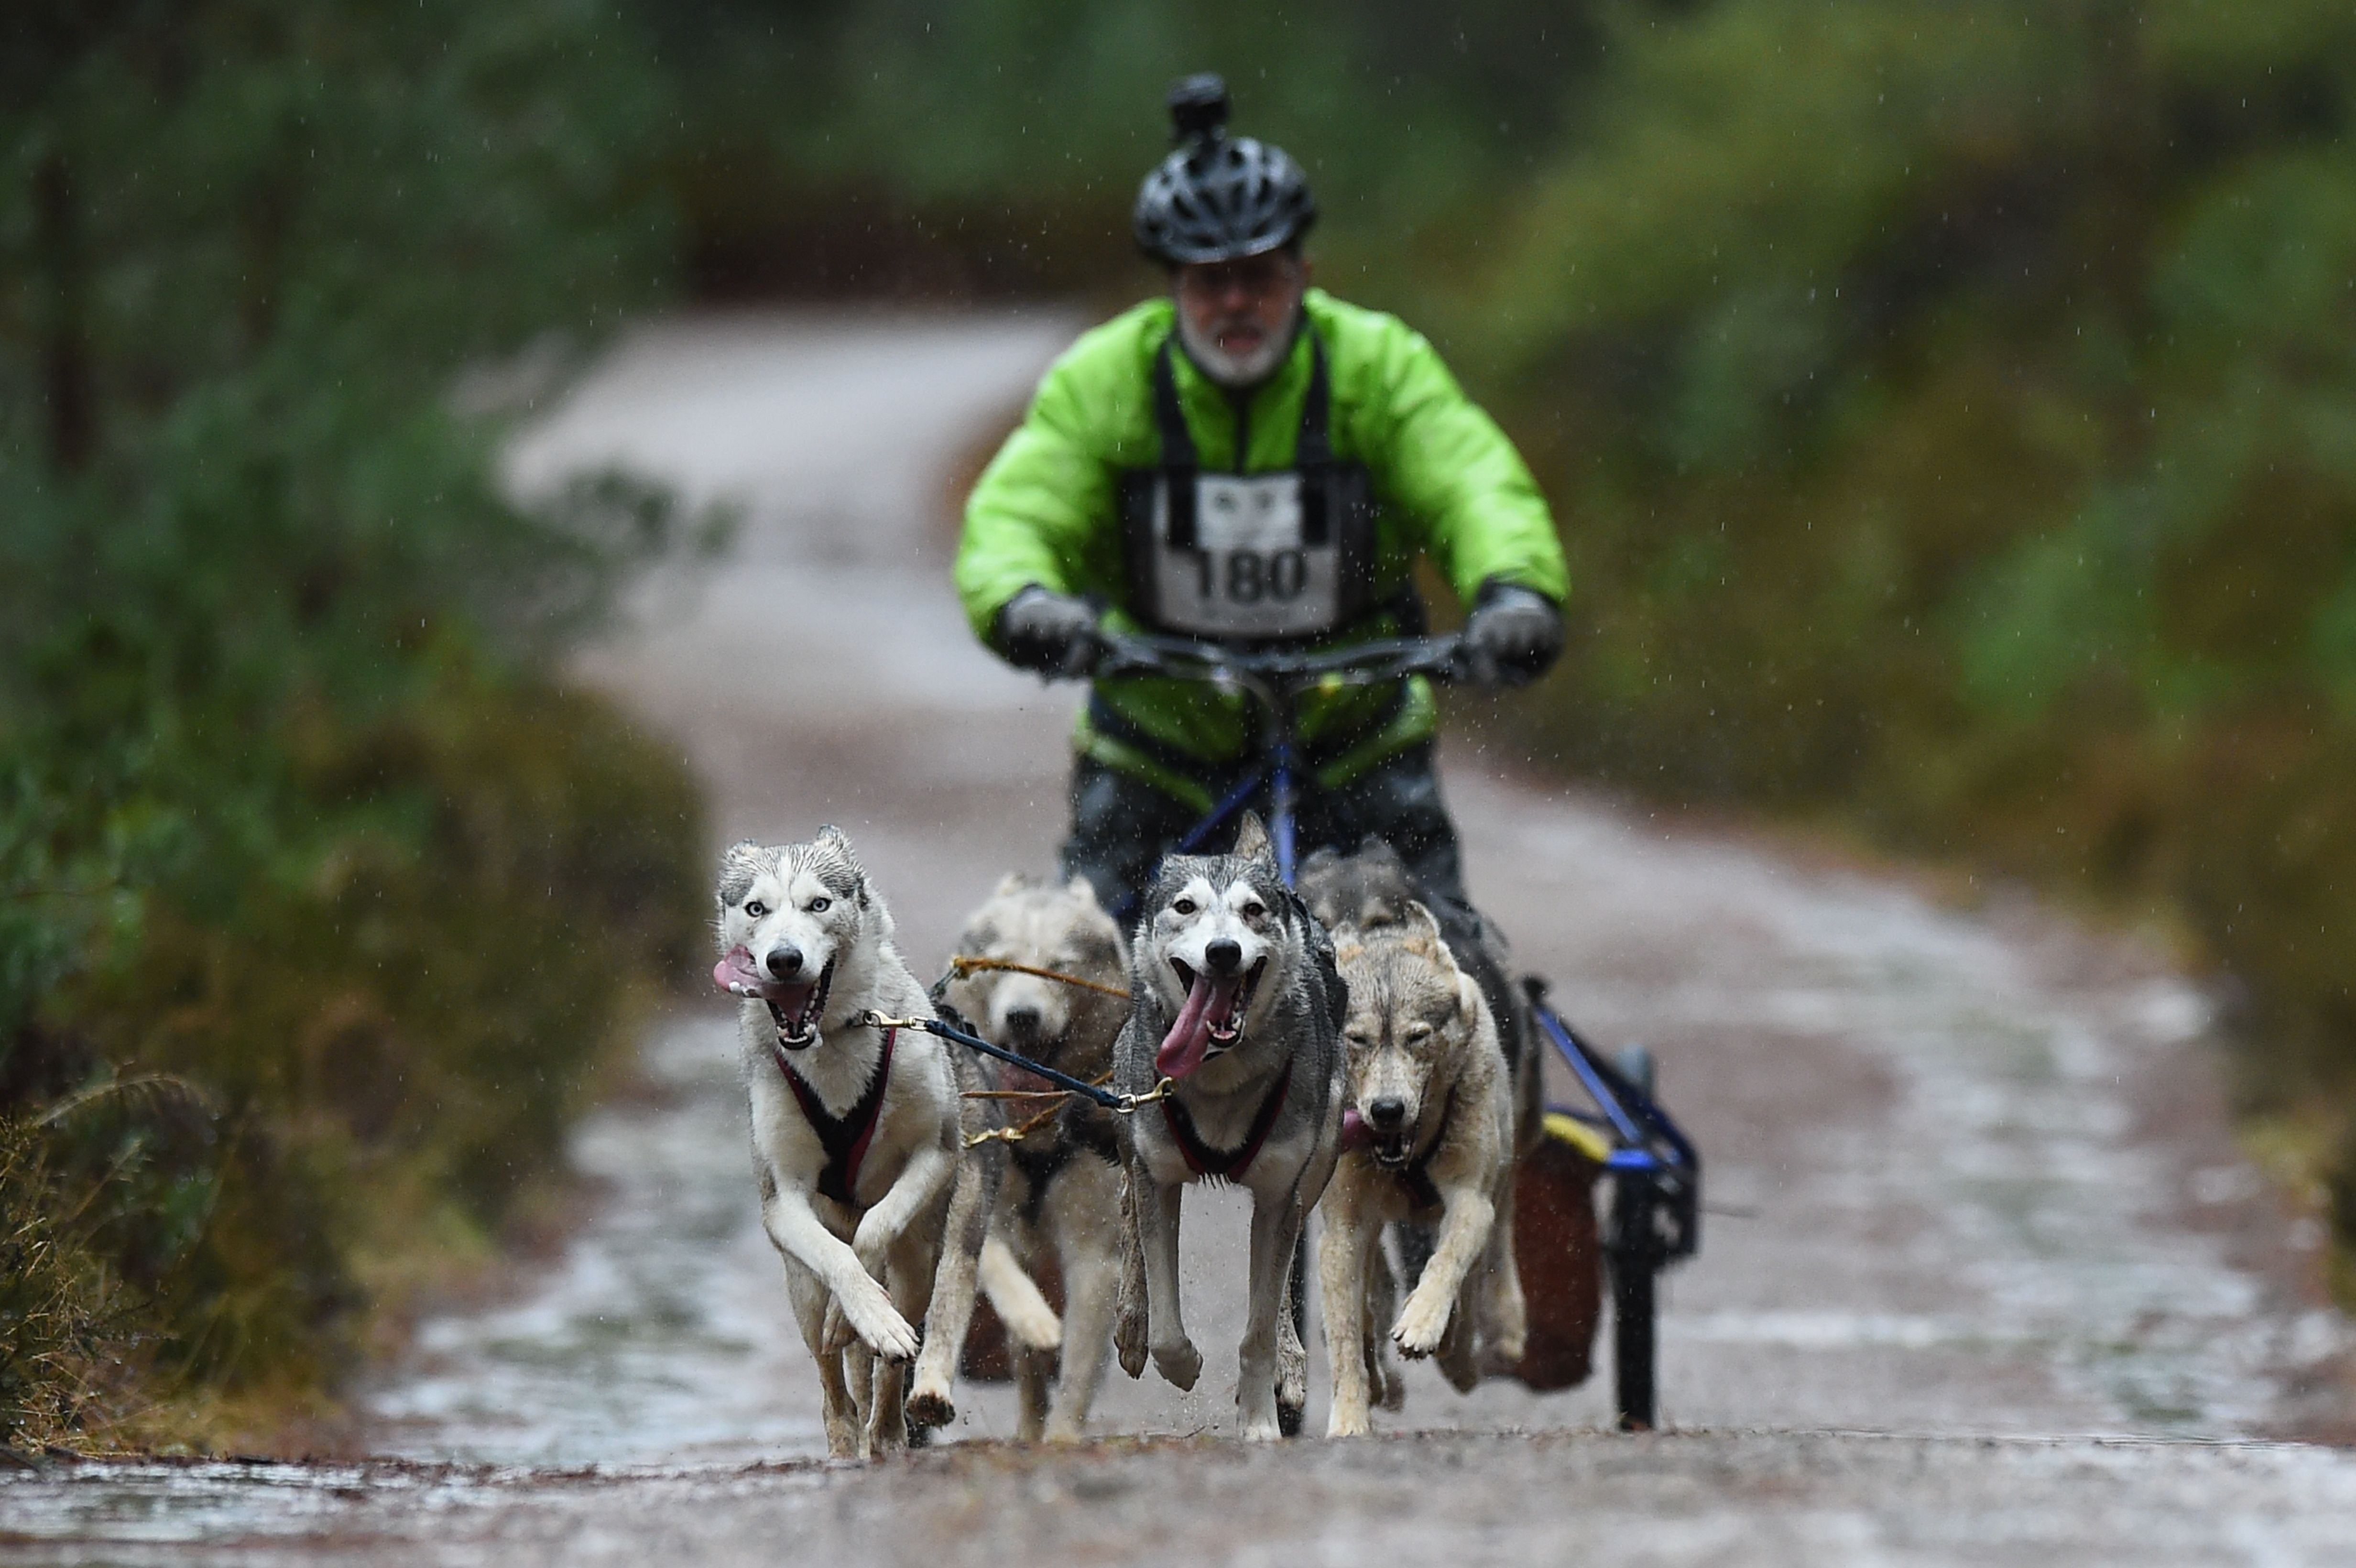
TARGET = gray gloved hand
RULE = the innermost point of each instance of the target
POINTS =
(1513, 635)
(1054, 635)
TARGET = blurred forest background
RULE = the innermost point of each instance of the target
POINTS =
(1951, 407)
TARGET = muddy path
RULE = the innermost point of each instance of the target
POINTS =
(1969, 1173)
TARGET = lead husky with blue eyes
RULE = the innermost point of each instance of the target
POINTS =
(857, 1136)
(1236, 1001)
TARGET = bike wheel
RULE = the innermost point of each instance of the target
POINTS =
(1634, 1338)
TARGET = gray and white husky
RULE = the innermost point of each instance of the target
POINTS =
(1371, 890)
(1236, 1001)
(1061, 1194)
(1432, 1118)
(857, 1136)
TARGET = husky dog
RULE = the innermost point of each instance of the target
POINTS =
(1371, 890)
(1061, 1194)
(1429, 1138)
(856, 1133)
(1236, 1001)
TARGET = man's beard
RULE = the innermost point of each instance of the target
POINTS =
(1237, 371)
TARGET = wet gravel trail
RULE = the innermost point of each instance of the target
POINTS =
(1968, 1171)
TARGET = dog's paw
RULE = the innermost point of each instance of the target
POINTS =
(1033, 1324)
(1180, 1365)
(878, 1323)
(1259, 1428)
(1128, 1337)
(929, 1407)
(1348, 1421)
(1029, 1320)
(1421, 1324)
(1508, 1337)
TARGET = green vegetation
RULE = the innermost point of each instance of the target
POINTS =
(321, 904)
(1952, 405)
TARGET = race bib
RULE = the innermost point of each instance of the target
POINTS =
(1249, 572)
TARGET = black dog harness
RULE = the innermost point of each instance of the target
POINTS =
(1079, 1130)
(845, 1137)
(1281, 555)
(1231, 1165)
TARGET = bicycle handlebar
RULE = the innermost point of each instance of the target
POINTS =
(1360, 664)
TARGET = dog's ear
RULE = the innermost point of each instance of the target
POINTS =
(1329, 972)
(834, 849)
(1418, 922)
(1251, 839)
(1468, 997)
(739, 868)
(1080, 887)
(1376, 851)
(1012, 884)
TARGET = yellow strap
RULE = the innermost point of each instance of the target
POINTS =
(1587, 1140)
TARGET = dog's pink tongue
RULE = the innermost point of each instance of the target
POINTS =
(736, 976)
(1354, 1133)
(1189, 1039)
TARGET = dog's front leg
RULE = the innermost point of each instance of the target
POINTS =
(1174, 1356)
(1274, 1229)
(1343, 1280)
(1129, 1324)
(1382, 1377)
(1509, 1324)
(858, 1296)
(919, 1181)
(1091, 1265)
(912, 1267)
(951, 1289)
(809, 1296)
(1466, 1215)
(1030, 1321)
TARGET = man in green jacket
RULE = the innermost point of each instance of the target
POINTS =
(1251, 462)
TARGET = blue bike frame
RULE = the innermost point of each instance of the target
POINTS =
(1281, 834)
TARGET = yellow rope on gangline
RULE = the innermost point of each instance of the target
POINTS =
(961, 965)
(1130, 1106)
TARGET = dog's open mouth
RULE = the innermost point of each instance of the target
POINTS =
(1212, 1019)
(795, 1009)
(795, 1005)
(1390, 1150)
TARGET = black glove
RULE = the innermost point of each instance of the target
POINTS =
(1513, 635)
(1054, 635)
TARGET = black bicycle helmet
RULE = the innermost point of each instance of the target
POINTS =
(1218, 197)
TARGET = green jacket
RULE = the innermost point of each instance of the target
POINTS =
(1449, 484)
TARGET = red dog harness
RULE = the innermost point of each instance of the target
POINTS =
(845, 1137)
(1230, 1165)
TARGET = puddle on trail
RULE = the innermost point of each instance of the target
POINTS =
(661, 1335)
